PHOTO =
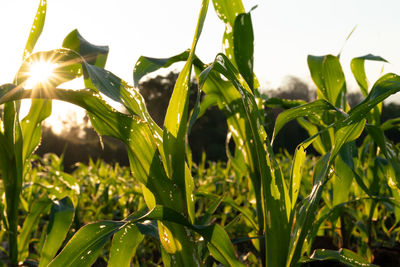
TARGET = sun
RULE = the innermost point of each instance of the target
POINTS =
(40, 74)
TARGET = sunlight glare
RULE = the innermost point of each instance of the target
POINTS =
(40, 74)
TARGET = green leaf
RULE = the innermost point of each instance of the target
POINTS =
(36, 29)
(315, 64)
(93, 54)
(243, 39)
(328, 76)
(245, 123)
(344, 256)
(358, 68)
(12, 172)
(305, 217)
(229, 201)
(388, 148)
(85, 246)
(214, 234)
(273, 102)
(146, 65)
(68, 67)
(296, 174)
(124, 245)
(227, 11)
(384, 87)
(61, 216)
(31, 125)
(347, 134)
(175, 125)
(40, 207)
(341, 183)
(333, 77)
(314, 109)
(390, 124)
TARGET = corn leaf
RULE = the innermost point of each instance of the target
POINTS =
(243, 39)
(229, 201)
(341, 182)
(61, 216)
(344, 256)
(328, 76)
(388, 148)
(358, 69)
(384, 87)
(12, 171)
(213, 234)
(84, 247)
(146, 65)
(305, 217)
(296, 174)
(314, 109)
(227, 11)
(38, 208)
(93, 54)
(175, 125)
(124, 245)
(245, 123)
(36, 29)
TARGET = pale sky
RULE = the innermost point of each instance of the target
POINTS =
(286, 31)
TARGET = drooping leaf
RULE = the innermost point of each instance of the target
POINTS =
(384, 87)
(93, 54)
(358, 68)
(146, 65)
(314, 109)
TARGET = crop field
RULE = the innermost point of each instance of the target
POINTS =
(336, 206)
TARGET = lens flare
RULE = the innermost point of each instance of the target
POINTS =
(40, 74)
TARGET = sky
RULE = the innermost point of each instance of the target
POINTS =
(286, 31)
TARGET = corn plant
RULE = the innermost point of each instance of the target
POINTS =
(283, 228)
(283, 224)
(157, 156)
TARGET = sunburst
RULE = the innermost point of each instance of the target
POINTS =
(41, 73)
